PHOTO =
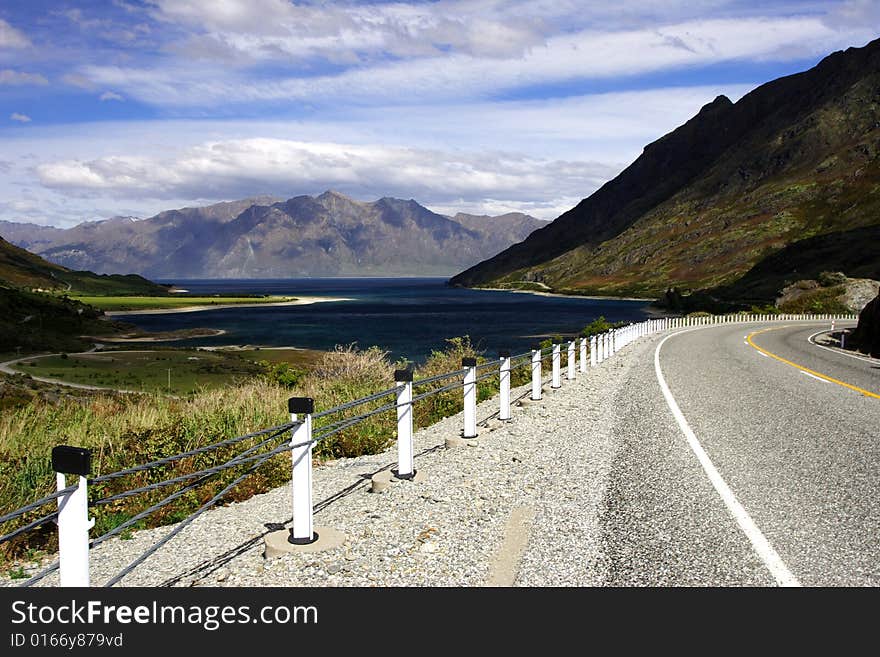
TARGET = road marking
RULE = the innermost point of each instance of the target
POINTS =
(864, 359)
(760, 353)
(814, 377)
(505, 565)
(824, 377)
(760, 544)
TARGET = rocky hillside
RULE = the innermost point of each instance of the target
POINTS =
(830, 292)
(327, 235)
(792, 166)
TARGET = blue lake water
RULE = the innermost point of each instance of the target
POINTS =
(408, 317)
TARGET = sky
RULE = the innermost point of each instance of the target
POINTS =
(127, 107)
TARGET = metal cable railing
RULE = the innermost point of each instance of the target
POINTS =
(356, 402)
(31, 525)
(258, 454)
(35, 505)
(193, 452)
(438, 377)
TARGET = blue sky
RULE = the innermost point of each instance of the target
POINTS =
(125, 107)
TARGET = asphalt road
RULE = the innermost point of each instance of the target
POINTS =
(800, 454)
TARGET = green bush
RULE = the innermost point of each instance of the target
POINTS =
(831, 278)
(282, 374)
(597, 326)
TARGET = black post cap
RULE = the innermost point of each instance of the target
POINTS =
(403, 375)
(504, 353)
(72, 460)
(301, 405)
(468, 362)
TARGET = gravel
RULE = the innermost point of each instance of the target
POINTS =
(554, 457)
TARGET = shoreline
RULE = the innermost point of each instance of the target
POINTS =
(302, 301)
(564, 296)
(149, 338)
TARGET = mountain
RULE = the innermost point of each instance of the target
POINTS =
(783, 184)
(35, 311)
(24, 270)
(327, 235)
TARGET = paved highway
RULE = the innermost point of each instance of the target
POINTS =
(770, 474)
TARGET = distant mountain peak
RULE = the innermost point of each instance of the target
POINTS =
(333, 194)
(330, 234)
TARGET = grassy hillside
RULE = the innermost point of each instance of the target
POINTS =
(789, 170)
(22, 269)
(33, 321)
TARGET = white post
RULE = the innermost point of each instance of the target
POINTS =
(572, 362)
(536, 374)
(470, 397)
(504, 412)
(73, 515)
(583, 355)
(302, 532)
(594, 347)
(403, 382)
(557, 363)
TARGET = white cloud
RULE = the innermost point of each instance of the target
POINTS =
(21, 118)
(109, 95)
(539, 157)
(273, 29)
(584, 55)
(237, 168)
(10, 77)
(79, 81)
(12, 38)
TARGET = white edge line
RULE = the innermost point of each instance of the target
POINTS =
(760, 544)
(835, 351)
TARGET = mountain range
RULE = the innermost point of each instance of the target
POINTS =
(326, 235)
(742, 199)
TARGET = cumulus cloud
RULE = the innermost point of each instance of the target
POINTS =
(109, 95)
(21, 118)
(10, 77)
(235, 168)
(12, 38)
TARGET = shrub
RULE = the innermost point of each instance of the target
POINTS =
(597, 326)
(831, 278)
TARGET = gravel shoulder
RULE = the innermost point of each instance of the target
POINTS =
(553, 459)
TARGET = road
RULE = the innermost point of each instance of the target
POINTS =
(796, 456)
(6, 368)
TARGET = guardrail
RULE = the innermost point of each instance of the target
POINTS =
(72, 514)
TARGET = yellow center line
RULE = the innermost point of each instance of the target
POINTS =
(807, 370)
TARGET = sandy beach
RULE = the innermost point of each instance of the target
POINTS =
(209, 333)
(565, 296)
(302, 301)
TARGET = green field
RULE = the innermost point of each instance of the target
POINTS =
(302, 358)
(158, 303)
(188, 370)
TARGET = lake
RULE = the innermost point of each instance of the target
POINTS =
(409, 317)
